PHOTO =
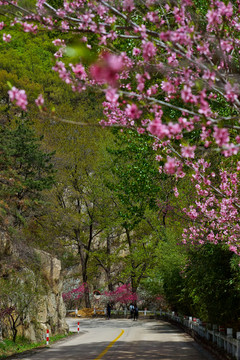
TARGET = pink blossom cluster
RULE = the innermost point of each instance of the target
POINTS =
(7, 37)
(19, 97)
(160, 49)
(40, 100)
(107, 69)
(171, 81)
(123, 295)
(215, 216)
(29, 27)
(75, 293)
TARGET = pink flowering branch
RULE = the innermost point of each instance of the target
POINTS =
(219, 217)
(176, 67)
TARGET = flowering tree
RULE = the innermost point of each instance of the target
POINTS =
(166, 69)
(72, 297)
(123, 295)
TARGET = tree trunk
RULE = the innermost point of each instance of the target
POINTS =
(1, 338)
(86, 289)
(108, 269)
(84, 262)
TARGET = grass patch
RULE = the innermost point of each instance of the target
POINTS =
(8, 347)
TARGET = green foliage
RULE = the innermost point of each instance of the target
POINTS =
(211, 280)
(26, 170)
(8, 347)
(19, 296)
(136, 180)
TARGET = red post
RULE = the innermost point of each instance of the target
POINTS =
(221, 329)
(47, 338)
(78, 327)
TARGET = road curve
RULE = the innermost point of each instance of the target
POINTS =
(122, 339)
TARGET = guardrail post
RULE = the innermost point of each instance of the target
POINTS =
(214, 333)
(47, 337)
(238, 346)
(229, 345)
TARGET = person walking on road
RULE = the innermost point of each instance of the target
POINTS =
(108, 311)
(135, 313)
(131, 308)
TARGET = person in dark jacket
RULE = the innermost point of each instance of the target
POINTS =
(131, 308)
(108, 311)
(135, 312)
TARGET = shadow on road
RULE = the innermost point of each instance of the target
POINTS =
(145, 350)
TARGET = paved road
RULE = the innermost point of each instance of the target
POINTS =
(122, 339)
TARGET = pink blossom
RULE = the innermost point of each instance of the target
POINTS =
(176, 193)
(172, 59)
(40, 100)
(156, 127)
(153, 16)
(193, 214)
(232, 92)
(65, 25)
(204, 49)
(107, 69)
(152, 90)
(230, 149)
(132, 111)
(58, 42)
(19, 96)
(40, 3)
(233, 249)
(62, 71)
(149, 50)
(159, 157)
(225, 10)
(7, 38)
(141, 130)
(174, 129)
(2, 25)
(226, 45)
(29, 27)
(209, 75)
(213, 18)
(60, 12)
(128, 5)
(59, 53)
(205, 108)
(170, 166)
(111, 95)
(188, 151)
(221, 136)
(79, 71)
(136, 51)
(187, 95)
(168, 87)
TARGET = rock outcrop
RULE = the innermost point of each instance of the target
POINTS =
(49, 307)
(51, 311)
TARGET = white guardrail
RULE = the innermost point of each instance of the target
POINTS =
(216, 335)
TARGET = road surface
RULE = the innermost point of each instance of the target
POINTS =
(122, 339)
